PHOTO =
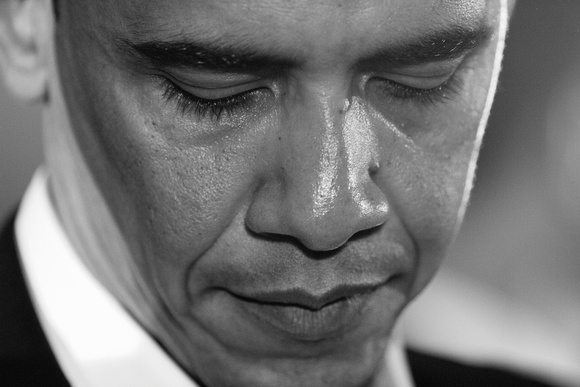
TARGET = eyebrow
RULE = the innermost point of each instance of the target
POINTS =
(439, 45)
(217, 56)
(450, 43)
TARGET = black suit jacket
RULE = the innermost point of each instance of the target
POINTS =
(25, 355)
(26, 358)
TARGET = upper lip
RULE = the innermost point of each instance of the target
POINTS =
(309, 299)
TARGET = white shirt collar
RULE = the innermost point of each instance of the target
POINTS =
(96, 342)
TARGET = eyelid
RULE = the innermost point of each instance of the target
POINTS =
(214, 87)
(190, 104)
(218, 93)
(425, 96)
(423, 76)
(418, 82)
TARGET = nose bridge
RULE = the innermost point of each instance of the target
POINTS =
(317, 163)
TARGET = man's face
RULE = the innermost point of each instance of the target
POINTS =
(287, 175)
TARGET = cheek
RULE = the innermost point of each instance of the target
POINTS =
(425, 192)
(172, 203)
(422, 193)
(182, 197)
(425, 171)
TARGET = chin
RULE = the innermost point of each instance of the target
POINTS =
(348, 369)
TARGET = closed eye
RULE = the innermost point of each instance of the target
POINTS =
(213, 108)
(426, 96)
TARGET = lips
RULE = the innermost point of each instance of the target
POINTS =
(309, 315)
(311, 299)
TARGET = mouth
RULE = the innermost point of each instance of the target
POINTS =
(307, 315)
(310, 300)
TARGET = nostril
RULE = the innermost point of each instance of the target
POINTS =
(272, 236)
(373, 168)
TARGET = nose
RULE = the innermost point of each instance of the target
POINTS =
(320, 185)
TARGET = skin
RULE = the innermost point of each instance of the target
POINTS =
(324, 179)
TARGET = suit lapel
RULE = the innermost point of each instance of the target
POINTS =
(25, 355)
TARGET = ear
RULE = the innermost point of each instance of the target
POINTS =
(26, 33)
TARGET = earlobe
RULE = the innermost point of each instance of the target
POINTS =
(26, 30)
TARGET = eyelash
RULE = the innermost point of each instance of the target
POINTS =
(427, 97)
(189, 104)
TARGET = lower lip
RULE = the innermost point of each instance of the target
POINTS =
(310, 325)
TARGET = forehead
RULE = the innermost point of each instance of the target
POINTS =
(288, 27)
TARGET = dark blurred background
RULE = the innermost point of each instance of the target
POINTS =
(509, 292)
